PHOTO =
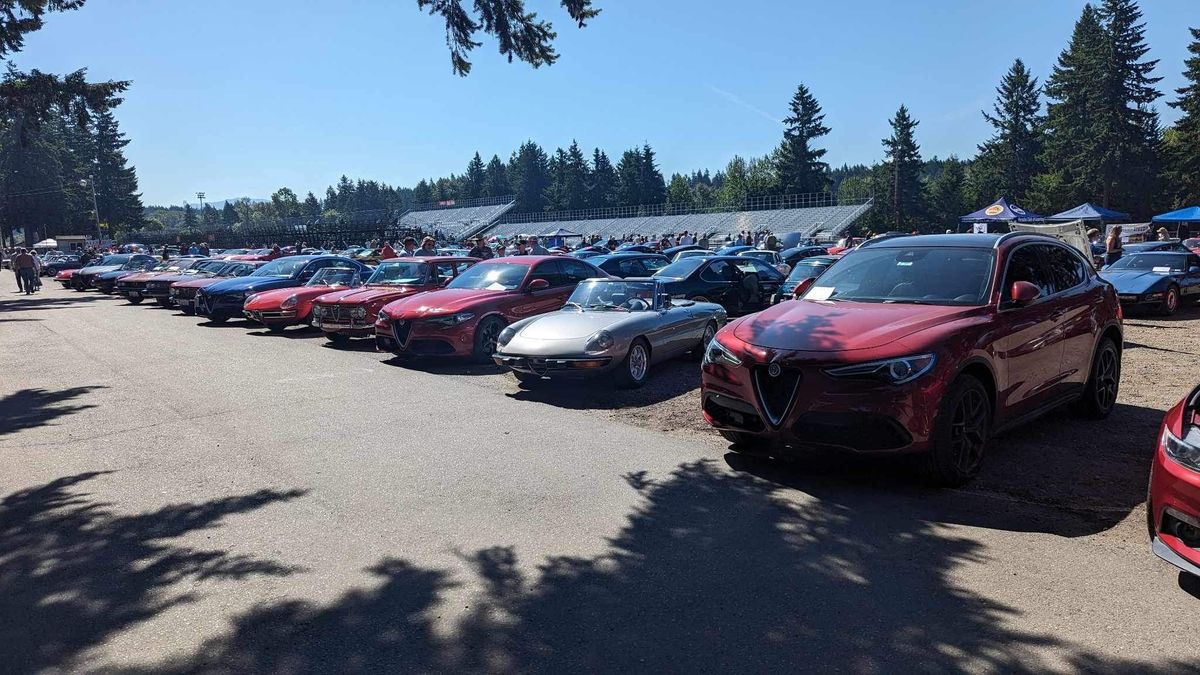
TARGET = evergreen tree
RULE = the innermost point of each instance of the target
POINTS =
(653, 185)
(735, 186)
(602, 189)
(761, 180)
(679, 194)
(947, 195)
(285, 203)
(1008, 161)
(495, 182)
(311, 207)
(798, 164)
(528, 173)
(629, 179)
(117, 195)
(189, 217)
(568, 180)
(422, 193)
(904, 204)
(1183, 144)
(210, 217)
(475, 177)
(229, 215)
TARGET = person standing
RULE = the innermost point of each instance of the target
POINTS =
(537, 249)
(480, 250)
(25, 266)
(427, 247)
(1112, 246)
(410, 248)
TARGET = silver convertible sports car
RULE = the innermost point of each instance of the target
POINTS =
(617, 326)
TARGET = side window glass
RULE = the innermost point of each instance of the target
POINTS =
(765, 271)
(627, 268)
(444, 271)
(548, 271)
(1065, 269)
(461, 267)
(719, 270)
(1025, 265)
(575, 272)
(653, 265)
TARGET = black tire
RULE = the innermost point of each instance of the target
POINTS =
(136, 301)
(163, 302)
(218, 318)
(634, 369)
(190, 311)
(710, 330)
(275, 327)
(337, 339)
(527, 378)
(1170, 302)
(485, 339)
(699, 298)
(1104, 382)
(746, 444)
(961, 434)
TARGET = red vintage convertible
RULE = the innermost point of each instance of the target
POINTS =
(352, 312)
(182, 294)
(292, 306)
(466, 317)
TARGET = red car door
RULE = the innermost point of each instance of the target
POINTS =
(1076, 300)
(1026, 341)
(549, 299)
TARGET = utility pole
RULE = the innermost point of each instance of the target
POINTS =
(95, 208)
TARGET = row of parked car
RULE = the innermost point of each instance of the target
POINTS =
(928, 345)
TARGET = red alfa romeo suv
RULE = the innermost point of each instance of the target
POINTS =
(1173, 505)
(922, 344)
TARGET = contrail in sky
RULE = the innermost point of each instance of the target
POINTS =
(734, 98)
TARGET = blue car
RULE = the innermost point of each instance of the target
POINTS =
(1158, 280)
(223, 300)
(121, 262)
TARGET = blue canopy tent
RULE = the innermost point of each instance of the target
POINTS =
(1182, 219)
(1089, 211)
(1001, 211)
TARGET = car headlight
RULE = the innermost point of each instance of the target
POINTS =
(359, 313)
(1185, 451)
(506, 336)
(383, 316)
(318, 311)
(601, 341)
(289, 302)
(719, 353)
(893, 371)
(249, 297)
(172, 293)
(452, 320)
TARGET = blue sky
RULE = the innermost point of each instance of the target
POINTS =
(238, 98)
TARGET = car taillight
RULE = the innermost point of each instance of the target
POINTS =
(1120, 313)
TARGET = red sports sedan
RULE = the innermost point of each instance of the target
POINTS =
(1173, 505)
(922, 344)
(352, 312)
(466, 317)
(282, 307)
(183, 293)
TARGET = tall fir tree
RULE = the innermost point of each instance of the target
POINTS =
(229, 215)
(422, 193)
(474, 179)
(495, 183)
(117, 195)
(568, 180)
(629, 178)
(311, 208)
(189, 217)
(735, 187)
(1182, 146)
(905, 199)
(654, 186)
(798, 164)
(602, 188)
(528, 173)
(1009, 160)
(680, 196)
(948, 195)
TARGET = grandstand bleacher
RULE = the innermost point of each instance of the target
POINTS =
(826, 221)
(455, 223)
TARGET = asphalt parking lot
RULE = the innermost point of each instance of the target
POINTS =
(182, 497)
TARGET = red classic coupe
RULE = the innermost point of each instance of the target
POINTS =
(133, 287)
(1173, 505)
(257, 255)
(352, 312)
(921, 344)
(282, 307)
(466, 317)
(64, 277)
(183, 293)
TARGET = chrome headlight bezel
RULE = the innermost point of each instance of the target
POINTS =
(289, 302)
(600, 341)
(717, 353)
(896, 371)
(318, 311)
(358, 312)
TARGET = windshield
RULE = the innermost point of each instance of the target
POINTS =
(1191, 243)
(282, 267)
(621, 296)
(210, 266)
(238, 270)
(806, 269)
(492, 276)
(1163, 264)
(764, 256)
(335, 276)
(680, 268)
(910, 274)
(118, 259)
(398, 273)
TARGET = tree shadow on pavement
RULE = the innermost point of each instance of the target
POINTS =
(29, 408)
(73, 572)
(713, 572)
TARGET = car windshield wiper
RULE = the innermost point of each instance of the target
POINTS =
(904, 301)
(573, 304)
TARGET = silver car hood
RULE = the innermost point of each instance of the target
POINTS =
(571, 325)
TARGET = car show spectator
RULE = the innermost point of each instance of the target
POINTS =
(499, 250)
(536, 248)
(1112, 246)
(427, 247)
(26, 268)
(521, 250)
(387, 252)
(481, 249)
(410, 248)
(1163, 234)
(1097, 246)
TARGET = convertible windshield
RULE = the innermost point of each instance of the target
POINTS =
(335, 276)
(911, 274)
(811, 267)
(1164, 264)
(114, 260)
(493, 277)
(623, 296)
(283, 267)
(398, 273)
(681, 268)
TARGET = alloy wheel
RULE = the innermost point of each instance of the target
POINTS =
(1106, 379)
(491, 331)
(637, 362)
(968, 431)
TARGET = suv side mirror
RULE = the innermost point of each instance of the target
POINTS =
(1024, 293)
(537, 285)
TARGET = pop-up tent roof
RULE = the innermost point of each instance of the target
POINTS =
(562, 232)
(46, 243)
(1001, 211)
(1190, 214)
(1089, 211)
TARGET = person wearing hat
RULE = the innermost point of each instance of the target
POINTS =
(481, 249)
